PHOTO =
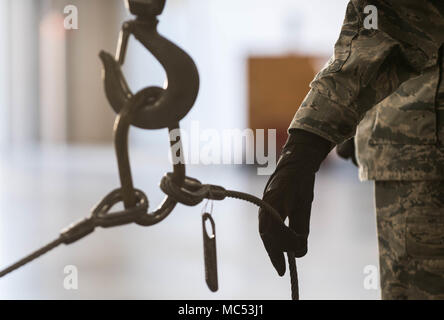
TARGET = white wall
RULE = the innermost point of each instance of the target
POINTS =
(53, 76)
(22, 70)
(4, 74)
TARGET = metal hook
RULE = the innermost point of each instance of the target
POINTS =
(121, 130)
(152, 107)
(172, 103)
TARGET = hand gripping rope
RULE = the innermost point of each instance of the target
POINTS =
(154, 108)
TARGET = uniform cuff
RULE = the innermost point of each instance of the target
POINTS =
(326, 118)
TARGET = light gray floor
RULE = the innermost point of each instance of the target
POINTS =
(44, 190)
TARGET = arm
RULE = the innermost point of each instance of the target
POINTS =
(368, 65)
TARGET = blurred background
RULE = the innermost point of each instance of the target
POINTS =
(256, 59)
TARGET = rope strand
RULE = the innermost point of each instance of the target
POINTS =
(290, 256)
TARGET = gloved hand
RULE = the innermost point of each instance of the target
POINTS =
(346, 150)
(290, 191)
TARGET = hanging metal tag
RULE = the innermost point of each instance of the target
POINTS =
(210, 254)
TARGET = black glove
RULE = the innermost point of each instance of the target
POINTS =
(346, 150)
(290, 191)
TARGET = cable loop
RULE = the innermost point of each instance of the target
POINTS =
(192, 192)
(106, 219)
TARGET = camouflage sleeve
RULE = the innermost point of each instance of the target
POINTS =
(365, 68)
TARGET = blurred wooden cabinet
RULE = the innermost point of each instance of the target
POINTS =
(277, 86)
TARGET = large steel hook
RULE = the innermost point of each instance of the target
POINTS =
(152, 107)
(129, 194)
(168, 105)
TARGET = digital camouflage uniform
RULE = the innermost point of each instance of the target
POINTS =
(385, 86)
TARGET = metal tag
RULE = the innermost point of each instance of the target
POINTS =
(210, 254)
